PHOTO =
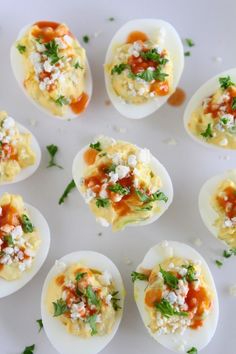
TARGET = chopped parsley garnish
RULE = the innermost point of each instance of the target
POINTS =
(80, 276)
(115, 300)
(86, 38)
(153, 55)
(40, 324)
(27, 225)
(218, 263)
(21, 48)
(68, 189)
(191, 273)
(118, 188)
(52, 51)
(29, 350)
(92, 296)
(224, 120)
(193, 350)
(190, 43)
(234, 104)
(77, 65)
(226, 82)
(159, 196)
(187, 54)
(9, 240)
(102, 202)
(145, 208)
(96, 146)
(110, 168)
(152, 198)
(208, 132)
(142, 196)
(229, 253)
(169, 279)
(52, 150)
(117, 69)
(60, 307)
(92, 322)
(138, 276)
(167, 310)
(150, 75)
(62, 101)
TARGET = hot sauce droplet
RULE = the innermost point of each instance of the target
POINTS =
(136, 36)
(90, 156)
(177, 98)
(80, 104)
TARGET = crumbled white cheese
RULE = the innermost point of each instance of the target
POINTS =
(89, 195)
(61, 44)
(122, 171)
(68, 39)
(102, 221)
(8, 123)
(224, 142)
(47, 66)
(171, 297)
(17, 232)
(103, 191)
(132, 160)
(228, 223)
(8, 250)
(106, 278)
(113, 177)
(144, 155)
(108, 299)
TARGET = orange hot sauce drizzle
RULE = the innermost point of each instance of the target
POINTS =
(214, 109)
(229, 205)
(177, 98)
(80, 104)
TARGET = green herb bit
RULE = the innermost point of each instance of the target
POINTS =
(21, 48)
(191, 273)
(110, 168)
(118, 69)
(138, 276)
(234, 104)
(118, 188)
(145, 208)
(68, 189)
(96, 146)
(9, 240)
(102, 202)
(153, 55)
(152, 198)
(115, 300)
(92, 296)
(193, 350)
(142, 196)
(159, 196)
(92, 322)
(167, 310)
(218, 263)
(226, 82)
(52, 150)
(78, 66)
(52, 51)
(229, 253)
(208, 132)
(80, 276)
(27, 225)
(29, 350)
(40, 324)
(189, 42)
(150, 75)
(169, 279)
(62, 101)
(111, 19)
(86, 38)
(224, 120)
(187, 54)
(60, 307)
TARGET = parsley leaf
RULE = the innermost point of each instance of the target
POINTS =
(187, 54)
(229, 253)
(40, 324)
(142, 196)
(146, 207)
(167, 310)
(92, 322)
(21, 48)
(86, 38)
(96, 146)
(150, 75)
(9, 240)
(191, 273)
(193, 350)
(102, 202)
(79, 276)
(115, 300)
(169, 279)
(118, 188)
(77, 65)
(62, 101)
(152, 198)
(68, 189)
(27, 225)
(153, 55)
(60, 307)
(117, 69)
(208, 132)
(189, 42)
(234, 104)
(92, 296)
(110, 168)
(29, 350)
(52, 51)
(218, 263)
(226, 82)
(52, 150)
(159, 196)
(138, 276)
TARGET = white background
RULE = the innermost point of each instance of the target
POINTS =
(211, 24)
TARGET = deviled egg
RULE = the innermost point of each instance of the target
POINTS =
(176, 296)
(143, 66)
(210, 116)
(51, 67)
(217, 206)
(82, 302)
(24, 243)
(20, 153)
(123, 184)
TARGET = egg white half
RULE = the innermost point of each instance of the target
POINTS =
(191, 338)
(170, 40)
(40, 223)
(64, 342)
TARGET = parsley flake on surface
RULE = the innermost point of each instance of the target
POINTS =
(167, 310)
(21, 48)
(77, 65)
(229, 253)
(52, 150)
(117, 69)
(29, 349)
(40, 324)
(119, 189)
(80, 276)
(60, 307)
(68, 189)
(92, 323)
(234, 104)
(115, 300)
(138, 276)
(52, 51)
(169, 279)
(208, 132)
(86, 38)
(92, 297)
(62, 101)
(218, 263)
(96, 146)
(226, 82)
(193, 350)
(102, 202)
(27, 225)
(187, 54)
(190, 43)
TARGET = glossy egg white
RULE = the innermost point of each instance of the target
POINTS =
(169, 39)
(190, 338)
(40, 223)
(64, 342)
(79, 166)
(28, 171)
(206, 90)
(20, 74)
(208, 214)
